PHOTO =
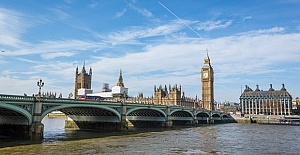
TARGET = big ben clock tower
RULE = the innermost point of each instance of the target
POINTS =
(207, 79)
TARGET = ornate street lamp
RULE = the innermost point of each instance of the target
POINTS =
(40, 84)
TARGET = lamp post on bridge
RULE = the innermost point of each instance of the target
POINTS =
(36, 130)
(40, 84)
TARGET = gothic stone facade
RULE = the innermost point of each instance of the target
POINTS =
(82, 80)
(173, 96)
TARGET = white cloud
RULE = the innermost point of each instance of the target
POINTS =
(56, 47)
(60, 14)
(265, 31)
(142, 32)
(120, 14)
(12, 26)
(2, 62)
(211, 25)
(141, 11)
(246, 18)
(57, 54)
(60, 71)
(63, 45)
(27, 60)
(93, 4)
(19, 86)
(7, 72)
(68, 1)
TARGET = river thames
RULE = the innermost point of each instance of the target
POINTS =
(230, 138)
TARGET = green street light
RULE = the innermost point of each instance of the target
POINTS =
(40, 84)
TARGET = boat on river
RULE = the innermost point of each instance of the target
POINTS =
(283, 121)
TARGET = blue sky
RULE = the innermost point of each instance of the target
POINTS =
(153, 42)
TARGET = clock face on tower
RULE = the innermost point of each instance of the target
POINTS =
(205, 75)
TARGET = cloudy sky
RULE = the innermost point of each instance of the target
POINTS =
(153, 42)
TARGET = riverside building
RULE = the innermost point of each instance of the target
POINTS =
(271, 102)
(174, 96)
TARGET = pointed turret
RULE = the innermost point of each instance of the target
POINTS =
(207, 56)
(90, 73)
(207, 60)
(83, 68)
(120, 82)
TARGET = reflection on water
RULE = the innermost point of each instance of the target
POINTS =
(55, 131)
(214, 139)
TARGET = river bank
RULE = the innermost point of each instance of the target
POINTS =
(261, 118)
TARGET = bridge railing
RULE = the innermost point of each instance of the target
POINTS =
(60, 100)
(73, 101)
(4, 97)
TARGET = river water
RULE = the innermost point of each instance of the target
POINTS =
(233, 138)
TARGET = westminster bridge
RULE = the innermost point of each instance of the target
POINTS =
(21, 116)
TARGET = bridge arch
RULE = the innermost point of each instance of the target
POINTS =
(181, 117)
(146, 117)
(184, 111)
(215, 115)
(202, 114)
(18, 110)
(224, 116)
(145, 108)
(60, 107)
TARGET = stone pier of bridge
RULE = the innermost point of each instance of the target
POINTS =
(36, 130)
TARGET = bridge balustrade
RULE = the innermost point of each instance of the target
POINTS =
(16, 98)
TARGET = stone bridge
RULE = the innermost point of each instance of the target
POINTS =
(21, 116)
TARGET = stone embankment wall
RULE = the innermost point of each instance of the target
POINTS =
(256, 118)
(56, 115)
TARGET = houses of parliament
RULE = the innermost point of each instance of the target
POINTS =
(171, 95)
